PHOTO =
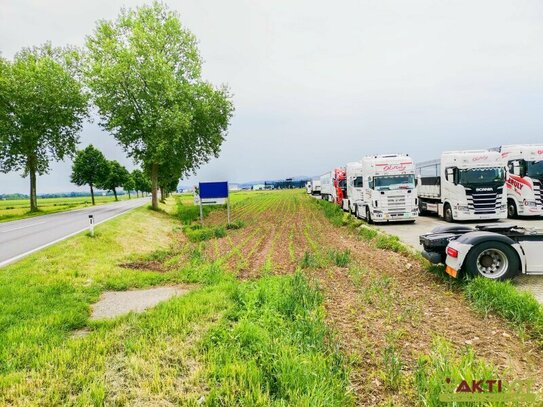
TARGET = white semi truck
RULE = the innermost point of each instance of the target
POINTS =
(387, 189)
(315, 187)
(524, 164)
(328, 191)
(463, 185)
(354, 191)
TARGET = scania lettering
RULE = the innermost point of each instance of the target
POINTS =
(463, 185)
(387, 188)
(524, 164)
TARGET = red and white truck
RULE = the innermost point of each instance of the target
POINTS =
(332, 184)
(524, 179)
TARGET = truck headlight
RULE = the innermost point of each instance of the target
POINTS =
(463, 208)
(530, 204)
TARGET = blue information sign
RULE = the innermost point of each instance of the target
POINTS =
(213, 190)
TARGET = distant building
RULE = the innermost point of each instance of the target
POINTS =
(234, 187)
(259, 187)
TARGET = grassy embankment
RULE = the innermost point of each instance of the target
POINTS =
(254, 343)
(20, 208)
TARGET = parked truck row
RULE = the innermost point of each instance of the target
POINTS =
(462, 185)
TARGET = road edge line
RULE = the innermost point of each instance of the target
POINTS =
(20, 256)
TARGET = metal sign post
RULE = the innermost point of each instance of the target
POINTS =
(91, 225)
(213, 193)
(228, 209)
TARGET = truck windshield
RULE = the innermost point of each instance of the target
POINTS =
(390, 182)
(534, 169)
(481, 176)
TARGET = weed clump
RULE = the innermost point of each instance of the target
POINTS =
(237, 224)
(199, 233)
(367, 233)
(340, 258)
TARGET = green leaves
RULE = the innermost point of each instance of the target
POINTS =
(90, 167)
(144, 70)
(42, 107)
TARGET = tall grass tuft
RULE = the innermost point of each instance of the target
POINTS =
(273, 347)
(443, 363)
(507, 301)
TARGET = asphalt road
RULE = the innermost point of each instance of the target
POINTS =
(409, 233)
(22, 237)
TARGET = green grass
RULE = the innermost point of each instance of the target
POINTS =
(273, 348)
(442, 363)
(262, 342)
(20, 208)
(504, 299)
(199, 233)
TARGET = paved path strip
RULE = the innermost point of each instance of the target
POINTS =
(22, 237)
(115, 303)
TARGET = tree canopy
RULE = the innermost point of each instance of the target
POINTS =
(90, 168)
(145, 73)
(42, 107)
(116, 177)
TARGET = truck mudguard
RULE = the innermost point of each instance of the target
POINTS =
(477, 237)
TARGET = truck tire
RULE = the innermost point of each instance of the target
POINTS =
(512, 209)
(368, 216)
(447, 213)
(494, 260)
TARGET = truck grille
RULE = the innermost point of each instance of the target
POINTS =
(484, 202)
(537, 192)
(396, 203)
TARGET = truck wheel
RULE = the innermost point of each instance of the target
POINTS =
(512, 209)
(495, 260)
(368, 216)
(447, 213)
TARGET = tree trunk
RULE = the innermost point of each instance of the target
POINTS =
(154, 186)
(137, 194)
(32, 173)
(129, 197)
(162, 195)
(115, 193)
(92, 194)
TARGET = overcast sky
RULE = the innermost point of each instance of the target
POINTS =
(319, 83)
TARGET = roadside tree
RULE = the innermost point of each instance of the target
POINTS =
(115, 178)
(42, 108)
(129, 185)
(144, 70)
(90, 167)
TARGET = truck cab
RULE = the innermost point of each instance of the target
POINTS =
(354, 192)
(524, 165)
(388, 189)
(463, 185)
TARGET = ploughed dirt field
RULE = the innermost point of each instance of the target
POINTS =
(387, 311)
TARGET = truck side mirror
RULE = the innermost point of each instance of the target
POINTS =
(449, 174)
